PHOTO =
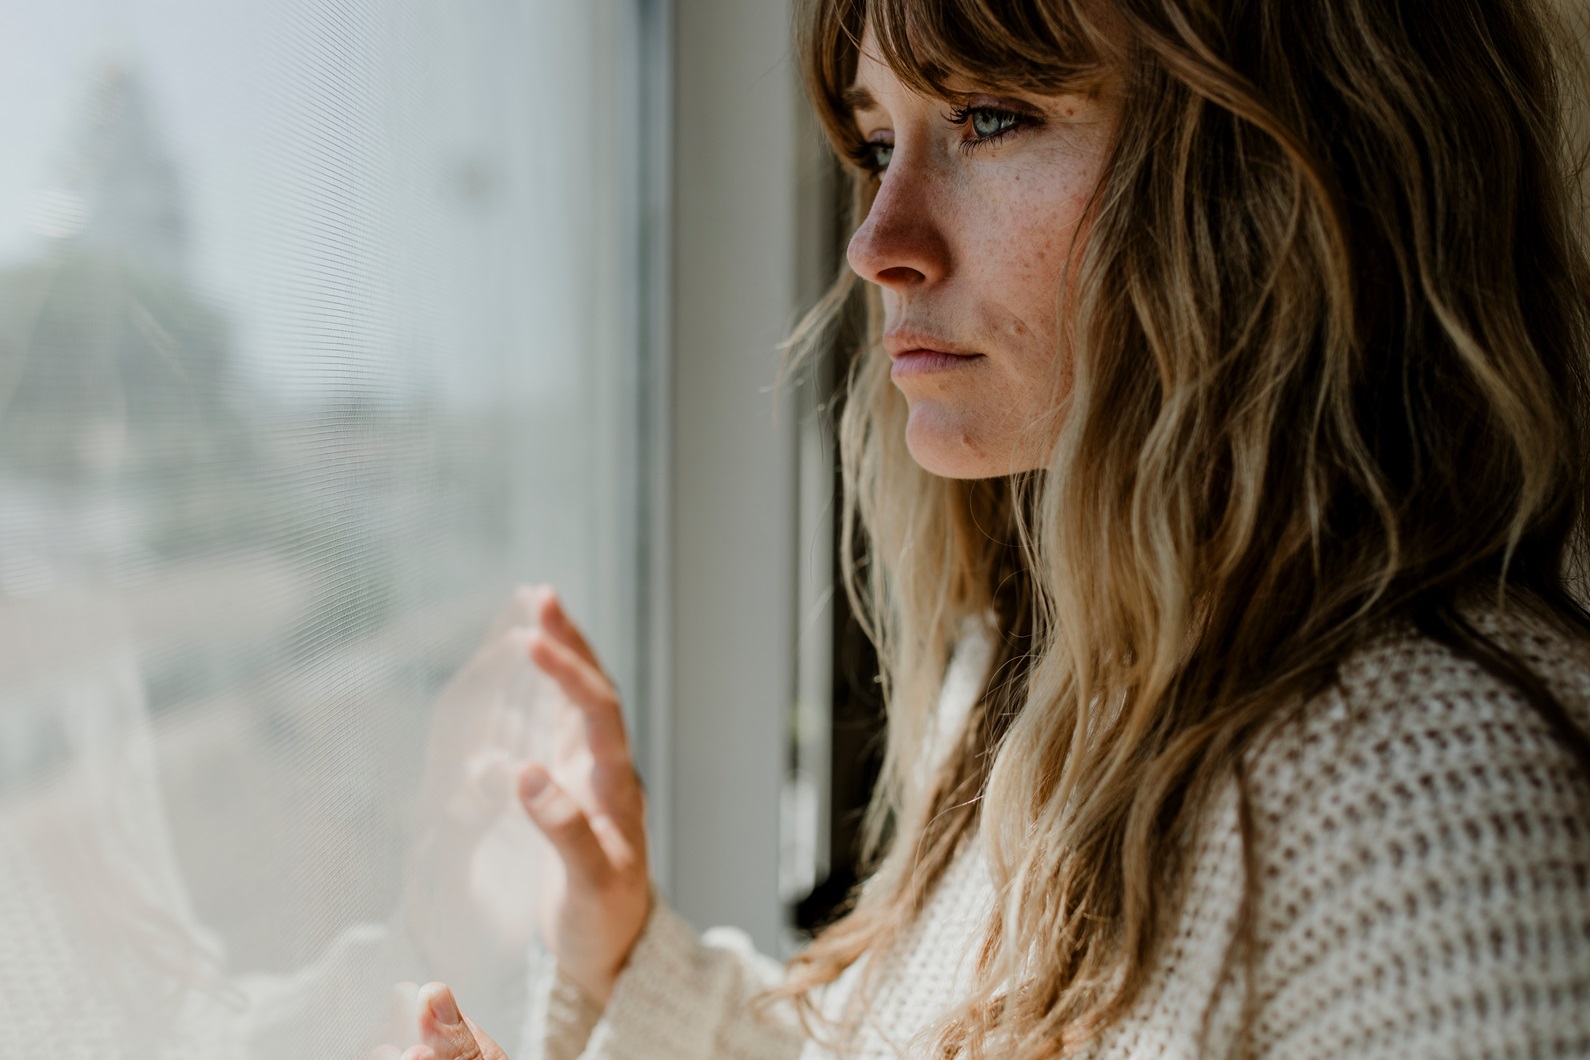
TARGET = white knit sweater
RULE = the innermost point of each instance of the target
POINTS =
(1423, 849)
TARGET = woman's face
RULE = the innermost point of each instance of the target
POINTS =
(978, 203)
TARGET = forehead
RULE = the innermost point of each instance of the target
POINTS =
(950, 63)
(872, 75)
(875, 81)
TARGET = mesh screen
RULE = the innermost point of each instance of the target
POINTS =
(313, 344)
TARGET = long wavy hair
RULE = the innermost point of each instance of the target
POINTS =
(1328, 326)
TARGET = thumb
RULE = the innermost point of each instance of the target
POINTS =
(445, 1033)
(489, 1050)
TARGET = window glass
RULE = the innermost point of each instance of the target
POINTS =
(316, 338)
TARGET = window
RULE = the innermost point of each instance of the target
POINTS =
(320, 328)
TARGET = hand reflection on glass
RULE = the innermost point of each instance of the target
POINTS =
(470, 891)
(489, 880)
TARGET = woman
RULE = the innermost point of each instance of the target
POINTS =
(1225, 386)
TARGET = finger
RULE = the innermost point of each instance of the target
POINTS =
(556, 621)
(623, 836)
(442, 1028)
(462, 1040)
(559, 818)
(489, 1050)
(590, 691)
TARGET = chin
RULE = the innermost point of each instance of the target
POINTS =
(944, 447)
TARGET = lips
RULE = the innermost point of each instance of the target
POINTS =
(917, 353)
(925, 362)
(901, 341)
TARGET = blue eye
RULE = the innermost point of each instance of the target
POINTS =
(986, 123)
(873, 156)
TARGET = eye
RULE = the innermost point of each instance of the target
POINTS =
(988, 124)
(873, 155)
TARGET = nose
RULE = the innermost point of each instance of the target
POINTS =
(902, 244)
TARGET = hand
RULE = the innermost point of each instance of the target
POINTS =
(445, 1033)
(587, 801)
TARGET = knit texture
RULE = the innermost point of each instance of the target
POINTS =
(1422, 844)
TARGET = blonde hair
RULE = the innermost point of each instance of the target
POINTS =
(1327, 326)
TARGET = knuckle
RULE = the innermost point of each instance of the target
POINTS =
(616, 780)
(464, 1046)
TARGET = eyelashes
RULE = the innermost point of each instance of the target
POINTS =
(987, 126)
(872, 156)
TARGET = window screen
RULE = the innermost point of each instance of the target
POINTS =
(316, 338)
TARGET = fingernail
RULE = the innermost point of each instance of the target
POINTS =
(443, 1007)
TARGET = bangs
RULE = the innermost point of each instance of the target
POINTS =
(1047, 49)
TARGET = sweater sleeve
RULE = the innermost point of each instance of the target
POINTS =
(680, 997)
(1427, 890)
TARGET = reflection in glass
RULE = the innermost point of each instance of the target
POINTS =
(311, 348)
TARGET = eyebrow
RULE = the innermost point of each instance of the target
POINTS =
(857, 97)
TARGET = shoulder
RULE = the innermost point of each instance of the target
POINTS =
(1422, 851)
(1407, 712)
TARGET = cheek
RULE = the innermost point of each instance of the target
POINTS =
(1019, 238)
(1016, 240)
(1013, 232)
